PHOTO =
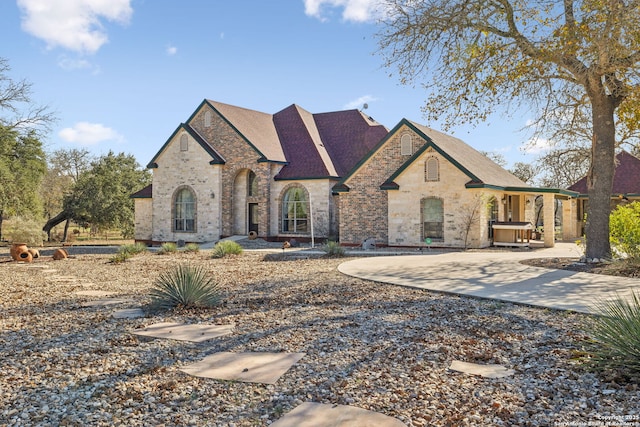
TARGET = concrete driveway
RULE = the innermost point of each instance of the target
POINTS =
(497, 275)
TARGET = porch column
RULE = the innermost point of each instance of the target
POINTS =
(569, 231)
(548, 219)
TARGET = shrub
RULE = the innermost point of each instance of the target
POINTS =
(120, 257)
(23, 230)
(333, 249)
(192, 247)
(226, 247)
(133, 249)
(168, 248)
(616, 333)
(624, 230)
(185, 286)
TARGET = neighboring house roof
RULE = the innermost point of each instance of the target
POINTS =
(145, 193)
(626, 178)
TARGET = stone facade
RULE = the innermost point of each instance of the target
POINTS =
(393, 214)
(363, 209)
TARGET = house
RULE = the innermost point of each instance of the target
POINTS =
(231, 171)
(419, 186)
(626, 189)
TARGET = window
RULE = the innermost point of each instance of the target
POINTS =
(406, 145)
(431, 170)
(432, 219)
(184, 211)
(252, 184)
(184, 142)
(207, 119)
(295, 209)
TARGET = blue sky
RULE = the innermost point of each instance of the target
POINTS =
(121, 75)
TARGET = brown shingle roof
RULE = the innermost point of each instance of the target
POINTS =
(312, 145)
(484, 169)
(626, 178)
(258, 128)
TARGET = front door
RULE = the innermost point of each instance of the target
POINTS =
(253, 217)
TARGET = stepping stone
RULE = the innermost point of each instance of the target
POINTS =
(184, 332)
(105, 301)
(128, 313)
(310, 414)
(49, 270)
(246, 367)
(487, 371)
(94, 293)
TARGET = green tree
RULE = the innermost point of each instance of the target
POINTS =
(22, 124)
(22, 167)
(63, 171)
(554, 56)
(101, 196)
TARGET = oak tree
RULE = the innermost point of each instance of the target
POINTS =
(551, 56)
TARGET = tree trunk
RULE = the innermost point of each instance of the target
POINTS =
(66, 230)
(600, 177)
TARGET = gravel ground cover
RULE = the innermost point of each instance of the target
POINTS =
(375, 346)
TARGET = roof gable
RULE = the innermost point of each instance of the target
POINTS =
(257, 128)
(626, 177)
(216, 158)
(481, 170)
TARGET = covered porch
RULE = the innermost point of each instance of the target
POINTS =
(520, 220)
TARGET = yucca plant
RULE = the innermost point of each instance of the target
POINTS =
(226, 247)
(616, 333)
(168, 248)
(333, 249)
(185, 286)
(192, 247)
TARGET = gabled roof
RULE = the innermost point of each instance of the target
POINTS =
(626, 178)
(481, 170)
(145, 193)
(310, 146)
(257, 128)
(215, 157)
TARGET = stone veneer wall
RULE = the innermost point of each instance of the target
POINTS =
(322, 206)
(239, 157)
(364, 208)
(190, 169)
(405, 205)
(143, 219)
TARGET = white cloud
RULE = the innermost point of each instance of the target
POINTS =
(353, 10)
(359, 103)
(171, 50)
(537, 146)
(73, 24)
(85, 133)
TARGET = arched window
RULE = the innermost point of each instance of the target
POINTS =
(431, 170)
(184, 142)
(184, 211)
(295, 211)
(207, 118)
(406, 145)
(432, 218)
(252, 184)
